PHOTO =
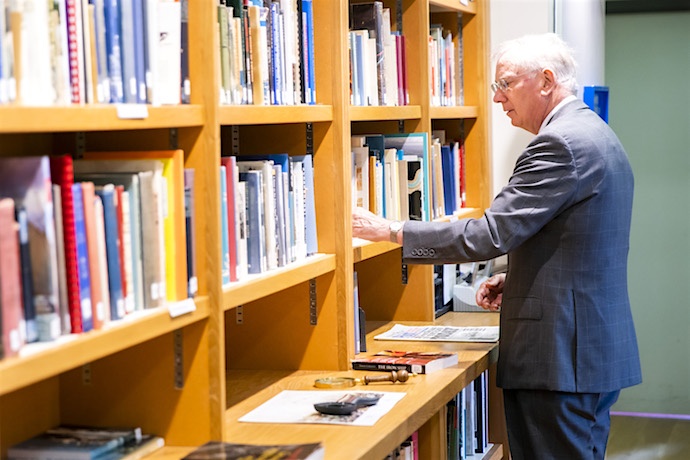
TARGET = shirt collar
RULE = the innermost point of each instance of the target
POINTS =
(558, 107)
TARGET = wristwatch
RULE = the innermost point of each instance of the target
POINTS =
(394, 228)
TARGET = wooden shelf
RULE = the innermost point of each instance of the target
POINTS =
(20, 119)
(425, 395)
(265, 284)
(405, 112)
(456, 112)
(40, 361)
(267, 115)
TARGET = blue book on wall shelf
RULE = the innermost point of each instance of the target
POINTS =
(597, 98)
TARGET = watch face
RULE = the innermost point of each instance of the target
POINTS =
(395, 226)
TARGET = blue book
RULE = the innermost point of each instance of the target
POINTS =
(308, 10)
(83, 271)
(449, 170)
(113, 47)
(256, 245)
(127, 52)
(139, 50)
(117, 301)
(277, 85)
(225, 243)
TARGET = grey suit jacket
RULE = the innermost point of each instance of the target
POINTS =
(564, 221)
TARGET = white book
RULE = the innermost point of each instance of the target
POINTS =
(391, 184)
(169, 76)
(152, 38)
(360, 177)
(241, 222)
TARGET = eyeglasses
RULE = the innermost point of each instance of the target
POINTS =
(504, 85)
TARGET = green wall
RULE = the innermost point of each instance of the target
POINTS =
(648, 73)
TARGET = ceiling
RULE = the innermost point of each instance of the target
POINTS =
(646, 6)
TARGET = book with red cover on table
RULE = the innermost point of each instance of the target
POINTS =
(417, 362)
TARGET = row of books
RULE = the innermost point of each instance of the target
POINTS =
(72, 442)
(90, 241)
(93, 51)
(378, 68)
(390, 175)
(446, 72)
(395, 175)
(266, 52)
(268, 213)
(467, 421)
(448, 171)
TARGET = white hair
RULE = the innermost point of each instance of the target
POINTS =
(539, 52)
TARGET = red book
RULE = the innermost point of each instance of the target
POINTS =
(11, 306)
(75, 50)
(229, 163)
(416, 362)
(62, 174)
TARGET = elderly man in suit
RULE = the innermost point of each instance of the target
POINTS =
(568, 343)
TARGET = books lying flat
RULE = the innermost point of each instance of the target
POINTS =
(74, 443)
(441, 333)
(231, 451)
(417, 362)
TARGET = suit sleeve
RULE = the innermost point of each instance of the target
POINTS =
(543, 183)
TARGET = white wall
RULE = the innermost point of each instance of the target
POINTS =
(512, 19)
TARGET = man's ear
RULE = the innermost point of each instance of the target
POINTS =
(548, 82)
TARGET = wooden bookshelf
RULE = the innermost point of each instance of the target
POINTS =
(189, 377)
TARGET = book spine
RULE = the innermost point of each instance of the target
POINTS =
(76, 63)
(82, 259)
(62, 174)
(364, 366)
(111, 12)
(140, 50)
(225, 251)
(192, 285)
(117, 303)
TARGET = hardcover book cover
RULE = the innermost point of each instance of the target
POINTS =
(98, 301)
(230, 451)
(73, 443)
(11, 314)
(27, 181)
(417, 362)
